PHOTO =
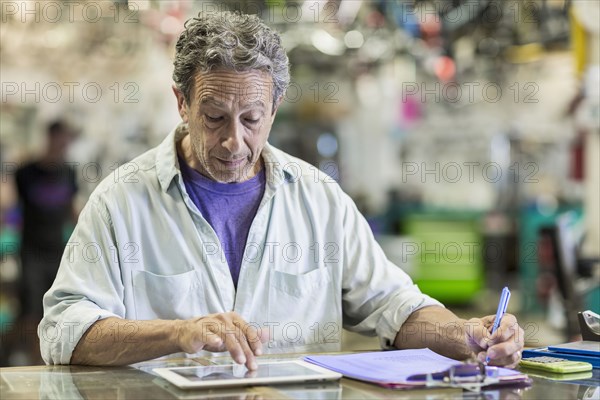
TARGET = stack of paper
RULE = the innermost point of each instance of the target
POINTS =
(398, 369)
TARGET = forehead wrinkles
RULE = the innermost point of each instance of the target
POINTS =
(229, 87)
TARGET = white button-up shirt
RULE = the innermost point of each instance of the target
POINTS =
(141, 250)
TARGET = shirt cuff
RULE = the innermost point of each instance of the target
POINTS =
(59, 338)
(398, 312)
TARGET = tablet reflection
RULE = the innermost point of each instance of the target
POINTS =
(79, 382)
(219, 375)
(237, 371)
(308, 391)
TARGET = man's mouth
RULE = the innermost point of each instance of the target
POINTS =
(232, 163)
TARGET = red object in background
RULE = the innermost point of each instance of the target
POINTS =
(577, 157)
(546, 279)
(375, 19)
(577, 146)
(431, 25)
(445, 69)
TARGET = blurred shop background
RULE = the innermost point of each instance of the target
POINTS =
(467, 132)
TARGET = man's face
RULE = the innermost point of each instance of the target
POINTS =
(229, 118)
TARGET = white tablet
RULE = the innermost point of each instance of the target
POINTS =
(219, 376)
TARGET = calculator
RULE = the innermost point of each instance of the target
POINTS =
(554, 364)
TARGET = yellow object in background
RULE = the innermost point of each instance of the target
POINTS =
(578, 44)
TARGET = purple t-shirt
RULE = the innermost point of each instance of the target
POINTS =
(228, 207)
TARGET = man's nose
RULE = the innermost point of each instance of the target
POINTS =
(234, 138)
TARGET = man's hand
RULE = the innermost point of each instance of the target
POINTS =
(443, 332)
(503, 347)
(222, 332)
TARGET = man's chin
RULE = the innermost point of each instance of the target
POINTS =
(232, 175)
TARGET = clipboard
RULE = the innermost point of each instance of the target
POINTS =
(420, 368)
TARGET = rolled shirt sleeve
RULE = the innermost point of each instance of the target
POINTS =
(87, 288)
(378, 296)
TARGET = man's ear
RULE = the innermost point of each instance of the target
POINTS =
(181, 104)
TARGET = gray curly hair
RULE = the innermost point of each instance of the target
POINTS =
(229, 40)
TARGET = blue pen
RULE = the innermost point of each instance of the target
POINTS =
(500, 312)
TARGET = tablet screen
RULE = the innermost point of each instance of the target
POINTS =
(220, 372)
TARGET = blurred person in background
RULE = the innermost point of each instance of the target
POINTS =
(46, 189)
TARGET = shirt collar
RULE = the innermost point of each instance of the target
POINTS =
(278, 168)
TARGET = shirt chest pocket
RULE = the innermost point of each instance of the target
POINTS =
(300, 305)
(301, 297)
(178, 296)
(300, 285)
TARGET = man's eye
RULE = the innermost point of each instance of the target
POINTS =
(210, 118)
(252, 120)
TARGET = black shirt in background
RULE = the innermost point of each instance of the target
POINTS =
(46, 193)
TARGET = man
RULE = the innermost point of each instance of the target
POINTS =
(46, 189)
(217, 241)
